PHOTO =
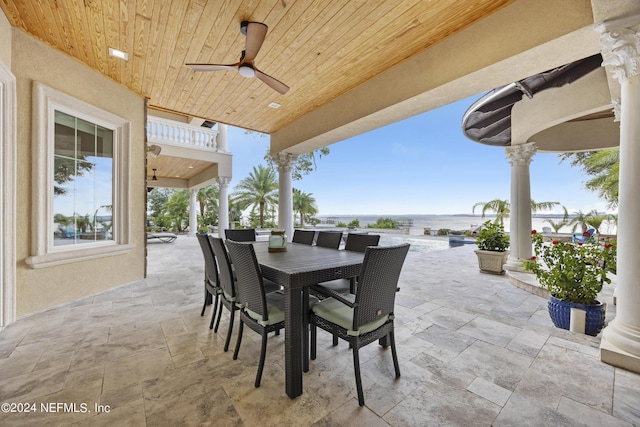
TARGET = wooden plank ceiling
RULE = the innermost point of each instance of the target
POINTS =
(320, 48)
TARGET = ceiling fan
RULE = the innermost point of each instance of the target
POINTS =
(255, 33)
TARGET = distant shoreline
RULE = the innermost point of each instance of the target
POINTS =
(457, 222)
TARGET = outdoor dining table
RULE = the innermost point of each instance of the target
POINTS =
(296, 269)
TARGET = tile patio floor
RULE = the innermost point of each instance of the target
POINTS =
(474, 350)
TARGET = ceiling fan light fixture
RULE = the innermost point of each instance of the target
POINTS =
(246, 70)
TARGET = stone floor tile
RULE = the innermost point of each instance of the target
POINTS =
(492, 392)
(580, 412)
(626, 395)
(467, 342)
(490, 331)
(520, 411)
(498, 365)
(439, 404)
(527, 342)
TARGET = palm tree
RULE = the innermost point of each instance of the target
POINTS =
(208, 199)
(235, 213)
(544, 206)
(177, 208)
(596, 220)
(556, 225)
(259, 189)
(502, 208)
(580, 218)
(604, 168)
(304, 204)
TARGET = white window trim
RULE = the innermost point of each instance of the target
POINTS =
(8, 145)
(45, 101)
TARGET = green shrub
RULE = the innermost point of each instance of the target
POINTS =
(492, 238)
(384, 223)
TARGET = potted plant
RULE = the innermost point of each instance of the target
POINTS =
(574, 275)
(492, 245)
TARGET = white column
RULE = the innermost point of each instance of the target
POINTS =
(519, 156)
(193, 212)
(223, 204)
(620, 345)
(285, 162)
(222, 139)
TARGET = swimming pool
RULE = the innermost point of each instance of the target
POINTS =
(417, 244)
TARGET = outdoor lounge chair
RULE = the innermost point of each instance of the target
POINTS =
(162, 237)
(581, 238)
(369, 316)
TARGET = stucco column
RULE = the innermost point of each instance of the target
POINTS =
(223, 204)
(222, 138)
(620, 345)
(193, 212)
(285, 162)
(519, 156)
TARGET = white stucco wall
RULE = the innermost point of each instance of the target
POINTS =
(38, 289)
(5, 40)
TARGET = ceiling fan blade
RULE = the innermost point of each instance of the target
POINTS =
(256, 32)
(271, 82)
(213, 67)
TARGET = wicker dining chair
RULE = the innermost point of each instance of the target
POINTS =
(261, 311)
(368, 317)
(329, 239)
(303, 236)
(241, 234)
(356, 243)
(212, 288)
(228, 284)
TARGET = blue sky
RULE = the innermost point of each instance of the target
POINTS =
(421, 165)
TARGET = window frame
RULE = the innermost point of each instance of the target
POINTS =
(46, 101)
(8, 149)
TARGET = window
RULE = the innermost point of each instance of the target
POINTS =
(80, 180)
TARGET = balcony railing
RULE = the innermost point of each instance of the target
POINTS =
(162, 131)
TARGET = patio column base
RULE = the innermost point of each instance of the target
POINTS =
(514, 264)
(620, 346)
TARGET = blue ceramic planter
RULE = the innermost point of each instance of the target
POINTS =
(560, 312)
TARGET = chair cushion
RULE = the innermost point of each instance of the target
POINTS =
(340, 314)
(342, 286)
(229, 297)
(313, 301)
(275, 310)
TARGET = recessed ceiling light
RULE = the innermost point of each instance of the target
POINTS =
(274, 105)
(190, 167)
(118, 53)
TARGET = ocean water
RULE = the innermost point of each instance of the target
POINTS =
(455, 222)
